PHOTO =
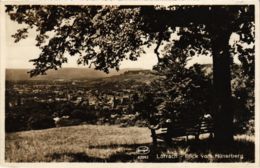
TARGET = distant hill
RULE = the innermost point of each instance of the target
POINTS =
(126, 80)
(64, 74)
(141, 75)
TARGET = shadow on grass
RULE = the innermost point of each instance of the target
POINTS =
(83, 157)
(178, 151)
(74, 157)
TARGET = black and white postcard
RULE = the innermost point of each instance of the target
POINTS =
(130, 83)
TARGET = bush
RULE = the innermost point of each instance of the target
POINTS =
(14, 123)
(88, 116)
(40, 121)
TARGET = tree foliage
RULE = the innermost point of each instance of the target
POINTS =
(243, 99)
(105, 35)
(184, 90)
(102, 36)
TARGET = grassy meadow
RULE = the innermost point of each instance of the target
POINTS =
(92, 143)
(75, 143)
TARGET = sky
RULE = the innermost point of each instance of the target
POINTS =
(19, 54)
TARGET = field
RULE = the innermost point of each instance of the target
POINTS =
(76, 143)
(91, 143)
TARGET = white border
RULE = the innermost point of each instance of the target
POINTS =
(2, 82)
(129, 2)
(257, 83)
(133, 165)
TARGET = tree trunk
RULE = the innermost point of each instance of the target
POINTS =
(223, 112)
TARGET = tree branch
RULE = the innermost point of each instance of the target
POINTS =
(158, 45)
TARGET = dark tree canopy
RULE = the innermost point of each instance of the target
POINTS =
(105, 35)
(101, 36)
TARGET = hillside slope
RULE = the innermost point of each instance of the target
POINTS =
(96, 143)
(84, 143)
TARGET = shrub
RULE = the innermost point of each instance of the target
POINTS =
(88, 116)
(40, 121)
